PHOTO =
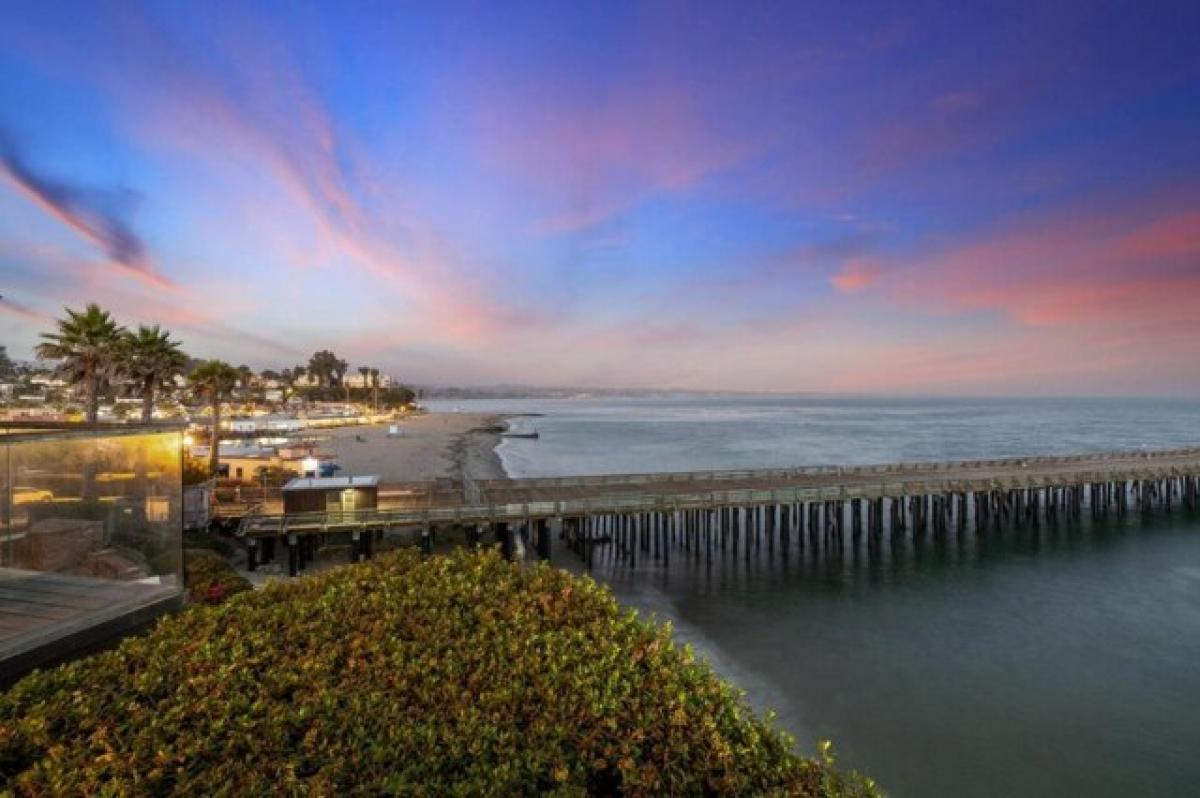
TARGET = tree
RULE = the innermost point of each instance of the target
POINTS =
(326, 368)
(246, 383)
(7, 369)
(152, 360)
(289, 377)
(87, 347)
(212, 381)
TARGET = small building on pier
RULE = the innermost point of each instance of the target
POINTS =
(330, 494)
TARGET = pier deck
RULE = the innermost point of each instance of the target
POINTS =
(519, 499)
(825, 500)
(838, 482)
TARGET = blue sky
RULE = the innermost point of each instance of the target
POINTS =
(923, 197)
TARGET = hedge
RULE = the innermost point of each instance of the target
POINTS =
(454, 675)
(209, 577)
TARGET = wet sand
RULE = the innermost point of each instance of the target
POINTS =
(433, 446)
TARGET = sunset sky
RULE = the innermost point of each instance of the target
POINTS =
(956, 198)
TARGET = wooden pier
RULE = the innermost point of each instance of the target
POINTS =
(637, 516)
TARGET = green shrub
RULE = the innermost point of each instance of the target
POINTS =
(208, 539)
(209, 577)
(450, 675)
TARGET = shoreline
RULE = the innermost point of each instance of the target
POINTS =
(431, 446)
(474, 452)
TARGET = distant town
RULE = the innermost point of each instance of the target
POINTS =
(90, 368)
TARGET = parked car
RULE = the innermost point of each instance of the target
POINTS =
(31, 495)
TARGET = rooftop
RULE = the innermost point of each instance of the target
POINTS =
(332, 483)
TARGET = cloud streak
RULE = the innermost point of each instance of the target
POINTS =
(83, 211)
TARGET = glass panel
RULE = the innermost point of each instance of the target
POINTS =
(92, 529)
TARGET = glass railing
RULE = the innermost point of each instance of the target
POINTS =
(90, 528)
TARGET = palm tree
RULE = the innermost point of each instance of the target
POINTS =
(365, 371)
(6, 365)
(152, 360)
(212, 381)
(87, 346)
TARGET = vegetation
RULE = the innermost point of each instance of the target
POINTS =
(212, 381)
(151, 360)
(327, 368)
(7, 368)
(209, 539)
(87, 345)
(195, 470)
(448, 675)
(273, 476)
(392, 397)
(208, 576)
(95, 355)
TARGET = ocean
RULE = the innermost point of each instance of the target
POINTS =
(1050, 661)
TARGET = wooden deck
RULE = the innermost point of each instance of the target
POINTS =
(626, 512)
(523, 499)
(44, 616)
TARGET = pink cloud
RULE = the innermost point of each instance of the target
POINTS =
(598, 156)
(68, 205)
(856, 274)
(273, 122)
(1132, 266)
(12, 307)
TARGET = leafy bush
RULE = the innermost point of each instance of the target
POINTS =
(208, 539)
(195, 470)
(209, 577)
(449, 675)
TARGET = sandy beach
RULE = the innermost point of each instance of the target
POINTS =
(432, 446)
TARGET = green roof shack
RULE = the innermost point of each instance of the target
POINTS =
(331, 494)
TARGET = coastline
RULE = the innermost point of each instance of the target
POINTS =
(431, 446)
(474, 452)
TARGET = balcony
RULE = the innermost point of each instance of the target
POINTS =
(91, 543)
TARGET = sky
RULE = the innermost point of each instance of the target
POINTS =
(931, 198)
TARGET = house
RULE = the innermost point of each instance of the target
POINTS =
(331, 494)
(239, 461)
(357, 380)
(265, 424)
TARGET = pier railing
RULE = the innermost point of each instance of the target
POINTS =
(792, 472)
(486, 501)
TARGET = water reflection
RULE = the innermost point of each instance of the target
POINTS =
(1047, 660)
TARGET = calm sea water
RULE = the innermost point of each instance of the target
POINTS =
(1051, 662)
